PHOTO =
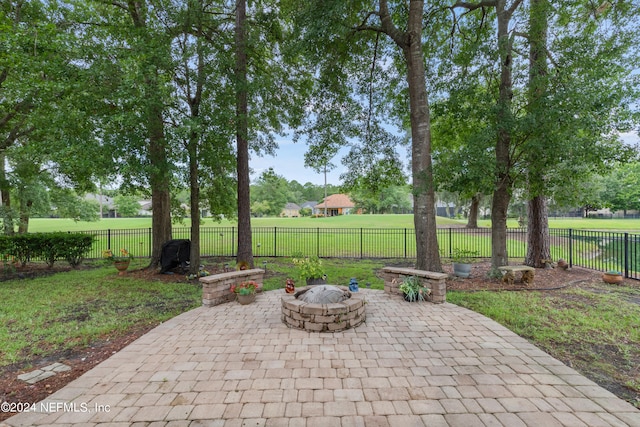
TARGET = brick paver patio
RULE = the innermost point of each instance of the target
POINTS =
(409, 364)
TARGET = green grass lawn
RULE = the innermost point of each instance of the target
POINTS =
(47, 315)
(344, 221)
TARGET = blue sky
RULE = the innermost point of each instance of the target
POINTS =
(289, 163)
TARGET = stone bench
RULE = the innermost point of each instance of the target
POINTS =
(508, 273)
(216, 288)
(393, 277)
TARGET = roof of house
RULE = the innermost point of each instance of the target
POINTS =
(336, 201)
(291, 206)
(309, 204)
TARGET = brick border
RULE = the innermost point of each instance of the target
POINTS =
(215, 288)
(434, 281)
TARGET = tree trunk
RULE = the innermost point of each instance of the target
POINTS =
(159, 174)
(159, 178)
(538, 240)
(503, 180)
(472, 221)
(25, 212)
(193, 150)
(245, 250)
(160, 194)
(424, 217)
(5, 194)
(194, 203)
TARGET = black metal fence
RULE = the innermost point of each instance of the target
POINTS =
(597, 250)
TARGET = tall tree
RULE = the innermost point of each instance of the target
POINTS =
(245, 249)
(128, 54)
(202, 115)
(579, 106)
(365, 33)
(538, 241)
(411, 44)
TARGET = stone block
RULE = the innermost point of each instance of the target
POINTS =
(292, 322)
(336, 309)
(314, 327)
(337, 326)
(300, 316)
(325, 319)
(316, 309)
(295, 305)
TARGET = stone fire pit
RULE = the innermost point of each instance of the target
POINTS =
(323, 317)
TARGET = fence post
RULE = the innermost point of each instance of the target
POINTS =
(109, 238)
(318, 242)
(150, 243)
(626, 254)
(233, 241)
(275, 242)
(405, 242)
(570, 248)
(361, 243)
(450, 243)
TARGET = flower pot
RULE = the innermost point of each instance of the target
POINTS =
(612, 279)
(461, 269)
(317, 281)
(246, 299)
(121, 266)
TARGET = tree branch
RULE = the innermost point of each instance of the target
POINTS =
(474, 6)
(513, 7)
(401, 38)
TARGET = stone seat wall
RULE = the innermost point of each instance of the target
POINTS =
(216, 288)
(393, 277)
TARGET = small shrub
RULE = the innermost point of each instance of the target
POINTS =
(413, 289)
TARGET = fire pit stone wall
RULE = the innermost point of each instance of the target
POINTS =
(333, 317)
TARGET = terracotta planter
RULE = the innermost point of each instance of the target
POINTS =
(612, 279)
(246, 299)
(121, 266)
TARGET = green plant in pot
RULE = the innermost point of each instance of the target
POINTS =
(462, 261)
(310, 269)
(413, 290)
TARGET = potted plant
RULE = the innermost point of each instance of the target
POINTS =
(245, 291)
(413, 290)
(310, 269)
(121, 262)
(462, 261)
(612, 277)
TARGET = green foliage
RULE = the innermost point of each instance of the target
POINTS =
(413, 289)
(272, 192)
(463, 256)
(126, 206)
(76, 247)
(394, 199)
(308, 267)
(68, 204)
(50, 247)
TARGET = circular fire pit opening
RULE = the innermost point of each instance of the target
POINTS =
(330, 317)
